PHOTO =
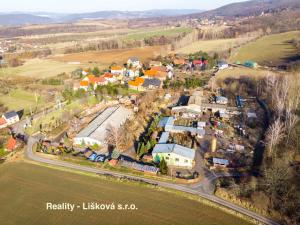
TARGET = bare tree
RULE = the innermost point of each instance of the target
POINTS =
(280, 94)
(111, 135)
(275, 135)
(119, 138)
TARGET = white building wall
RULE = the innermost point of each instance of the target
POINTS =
(87, 140)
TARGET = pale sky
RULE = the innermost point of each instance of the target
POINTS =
(61, 6)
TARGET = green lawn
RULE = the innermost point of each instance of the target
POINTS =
(18, 99)
(268, 50)
(39, 68)
(26, 188)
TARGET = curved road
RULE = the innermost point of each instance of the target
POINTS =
(187, 189)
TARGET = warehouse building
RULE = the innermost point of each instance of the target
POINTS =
(95, 132)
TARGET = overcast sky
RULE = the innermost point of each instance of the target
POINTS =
(99, 5)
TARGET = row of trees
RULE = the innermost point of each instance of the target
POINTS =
(191, 82)
(281, 177)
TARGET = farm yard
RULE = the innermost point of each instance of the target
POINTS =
(36, 185)
(269, 50)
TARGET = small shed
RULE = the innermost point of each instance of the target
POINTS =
(251, 64)
(220, 162)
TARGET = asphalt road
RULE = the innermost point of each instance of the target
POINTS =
(196, 189)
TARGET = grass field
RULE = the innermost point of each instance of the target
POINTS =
(26, 188)
(209, 46)
(238, 72)
(105, 58)
(39, 68)
(160, 32)
(18, 99)
(268, 50)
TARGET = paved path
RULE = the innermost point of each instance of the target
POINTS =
(196, 190)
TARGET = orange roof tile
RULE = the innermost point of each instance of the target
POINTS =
(116, 68)
(84, 83)
(137, 82)
(151, 72)
(11, 144)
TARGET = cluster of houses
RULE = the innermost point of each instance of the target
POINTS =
(174, 154)
(7, 120)
(133, 74)
(197, 104)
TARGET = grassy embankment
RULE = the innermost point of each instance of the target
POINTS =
(269, 50)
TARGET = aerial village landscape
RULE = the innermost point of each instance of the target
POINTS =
(195, 108)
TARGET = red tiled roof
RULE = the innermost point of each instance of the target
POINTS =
(97, 80)
(113, 162)
(108, 75)
(197, 62)
(11, 144)
(2, 121)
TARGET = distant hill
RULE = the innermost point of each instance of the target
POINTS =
(250, 8)
(128, 14)
(21, 19)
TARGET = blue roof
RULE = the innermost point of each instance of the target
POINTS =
(166, 121)
(220, 161)
(164, 138)
(189, 129)
(10, 114)
(176, 149)
(93, 156)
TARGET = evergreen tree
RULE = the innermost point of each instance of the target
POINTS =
(148, 146)
(163, 166)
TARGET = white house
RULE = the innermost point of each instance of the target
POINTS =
(134, 62)
(174, 155)
(221, 100)
(223, 65)
(11, 117)
(110, 77)
(133, 73)
(117, 70)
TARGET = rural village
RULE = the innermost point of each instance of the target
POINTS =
(201, 108)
